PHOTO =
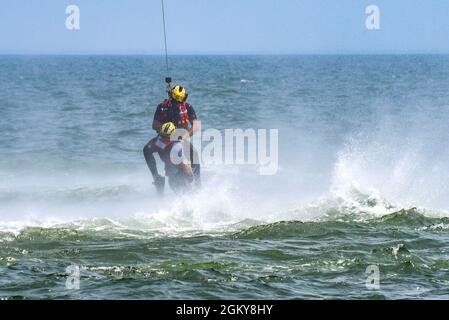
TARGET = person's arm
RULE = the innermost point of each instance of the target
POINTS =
(157, 122)
(157, 125)
(193, 120)
(195, 127)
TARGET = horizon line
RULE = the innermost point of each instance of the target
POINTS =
(112, 53)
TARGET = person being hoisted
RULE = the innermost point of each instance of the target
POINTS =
(177, 166)
(175, 109)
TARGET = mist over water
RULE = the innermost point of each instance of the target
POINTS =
(360, 138)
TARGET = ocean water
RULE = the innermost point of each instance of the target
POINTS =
(362, 180)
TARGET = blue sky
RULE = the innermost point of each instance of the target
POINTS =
(233, 26)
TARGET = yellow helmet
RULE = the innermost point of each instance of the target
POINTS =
(179, 93)
(167, 129)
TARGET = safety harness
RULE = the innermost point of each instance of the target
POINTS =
(163, 147)
(183, 116)
(183, 121)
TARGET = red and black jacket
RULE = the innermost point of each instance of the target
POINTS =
(173, 111)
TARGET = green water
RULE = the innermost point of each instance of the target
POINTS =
(283, 260)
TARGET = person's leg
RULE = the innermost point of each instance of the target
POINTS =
(178, 183)
(195, 162)
(148, 150)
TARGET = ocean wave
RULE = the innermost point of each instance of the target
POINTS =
(96, 209)
(166, 224)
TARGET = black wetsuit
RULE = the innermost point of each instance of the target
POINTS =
(168, 111)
